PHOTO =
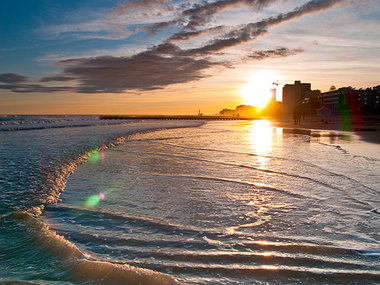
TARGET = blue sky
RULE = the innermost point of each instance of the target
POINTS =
(159, 56)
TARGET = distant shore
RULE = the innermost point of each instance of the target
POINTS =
(176, 117)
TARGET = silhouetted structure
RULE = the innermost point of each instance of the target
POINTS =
(369, 100)
(313, 95)
(341, 100)
(300, 101)
(347, 99)
(241, 110)
(294, 94)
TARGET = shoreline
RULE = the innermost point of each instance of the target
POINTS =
(368, 129)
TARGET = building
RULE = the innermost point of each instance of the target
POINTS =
(341, 100)
(313, 94)
(294, 94)
(369, 99)
(347, 99)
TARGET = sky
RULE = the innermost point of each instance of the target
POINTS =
(178, 57)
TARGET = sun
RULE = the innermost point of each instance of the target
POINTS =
(259, 88)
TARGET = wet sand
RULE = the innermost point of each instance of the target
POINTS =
(368, 129)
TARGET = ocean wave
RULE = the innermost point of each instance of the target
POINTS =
(237, 165)
(207, 253)
(81, 266)
(27, 235)
(236, 181)
(283, 274)
(303, 163)
(74, 244)
(59, 124)
(131, 219)
(50, 175)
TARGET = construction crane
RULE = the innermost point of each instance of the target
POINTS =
(278, 83)
(278, 96)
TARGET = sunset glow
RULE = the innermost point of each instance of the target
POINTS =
(192, 142)
(261, 136)
(259, 89)
(179, 57)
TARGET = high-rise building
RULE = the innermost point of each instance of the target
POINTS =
(294, 94)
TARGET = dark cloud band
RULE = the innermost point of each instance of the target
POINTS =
(12, 78)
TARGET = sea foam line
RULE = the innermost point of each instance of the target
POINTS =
(256, 185)
(241, 166)
(315, 166)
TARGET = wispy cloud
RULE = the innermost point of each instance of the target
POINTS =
(253, 30)
(250, 31)
(58, 78)
(137, 12)
(200, 14)
(30, 88)
(273, 53)
(117, 23)
(127, 7)
(187, 35)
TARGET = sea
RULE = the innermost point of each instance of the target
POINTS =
(90, 201)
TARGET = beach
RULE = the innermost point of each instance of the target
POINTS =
(368, 128)
(199, 142)
(172, 201)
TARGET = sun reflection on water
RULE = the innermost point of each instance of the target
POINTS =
(259, 206)
(261, 137)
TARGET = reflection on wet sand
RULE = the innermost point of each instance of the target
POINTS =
(261, 136)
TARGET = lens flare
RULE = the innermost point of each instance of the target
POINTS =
(96, 156)
(93, 200)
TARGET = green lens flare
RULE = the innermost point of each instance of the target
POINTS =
(95, 199)
(94, 156)
(92, 201)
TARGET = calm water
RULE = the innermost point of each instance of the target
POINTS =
(218, 203)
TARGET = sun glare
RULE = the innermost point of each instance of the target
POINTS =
(259, 89)
(261, 138)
